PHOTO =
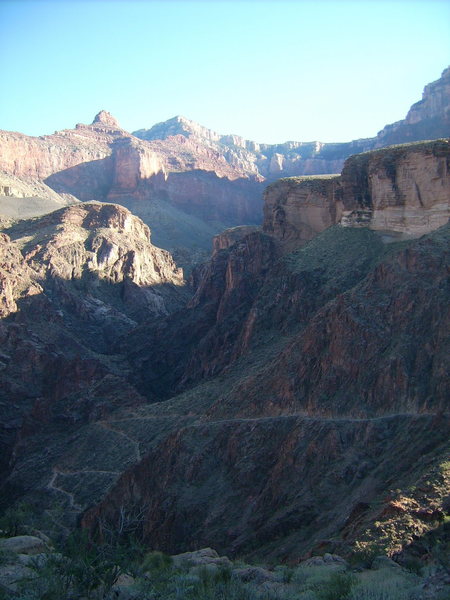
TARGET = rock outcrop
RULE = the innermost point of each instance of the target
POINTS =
(97, 241)
(404, 191)
(16, 278)
(296, 209)
(106, 118)
(230, 236)
(401, 191)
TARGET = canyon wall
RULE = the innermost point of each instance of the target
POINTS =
(305, 371)
(401, 191)
(72, 283)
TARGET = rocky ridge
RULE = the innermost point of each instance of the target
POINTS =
(427, 119)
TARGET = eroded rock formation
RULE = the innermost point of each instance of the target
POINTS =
(402, 191)
(312, 377)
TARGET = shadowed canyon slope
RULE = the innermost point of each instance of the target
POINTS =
(297, 402)
(187, 182)
(71, 284)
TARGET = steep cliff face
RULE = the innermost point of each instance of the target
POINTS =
(427, 119)
(41, 157)
(227, 238)
(16, 278)
(133, 165)
(297, 209)
(402, 191)
(266, 161)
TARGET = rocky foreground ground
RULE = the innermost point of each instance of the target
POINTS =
(32, 569)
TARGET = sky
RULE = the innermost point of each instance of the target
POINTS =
(268, 70)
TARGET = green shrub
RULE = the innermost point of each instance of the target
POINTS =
(384, 584)
(413, 565)
(286, 573)
(337, 587)
(14, 520)
(82, 569)
(307, 577)
(156, 561)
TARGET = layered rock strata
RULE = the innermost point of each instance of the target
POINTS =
(303, 371)
(401, 191)
(427, 119)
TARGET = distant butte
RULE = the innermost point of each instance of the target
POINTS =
(106, 118)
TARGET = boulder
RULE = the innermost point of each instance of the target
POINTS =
(124, 589)
(23, 544)
(205, 556)
(10, 577)
(256, 575)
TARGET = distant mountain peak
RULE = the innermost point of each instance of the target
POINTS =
(106, 118)
(177, 125)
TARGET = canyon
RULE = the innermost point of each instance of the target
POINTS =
(282, 395)
(291, 400)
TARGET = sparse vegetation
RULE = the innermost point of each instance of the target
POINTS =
(81, 569)
(13, 520)
(339, 257)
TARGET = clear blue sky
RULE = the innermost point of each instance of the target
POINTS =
(269, 70)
